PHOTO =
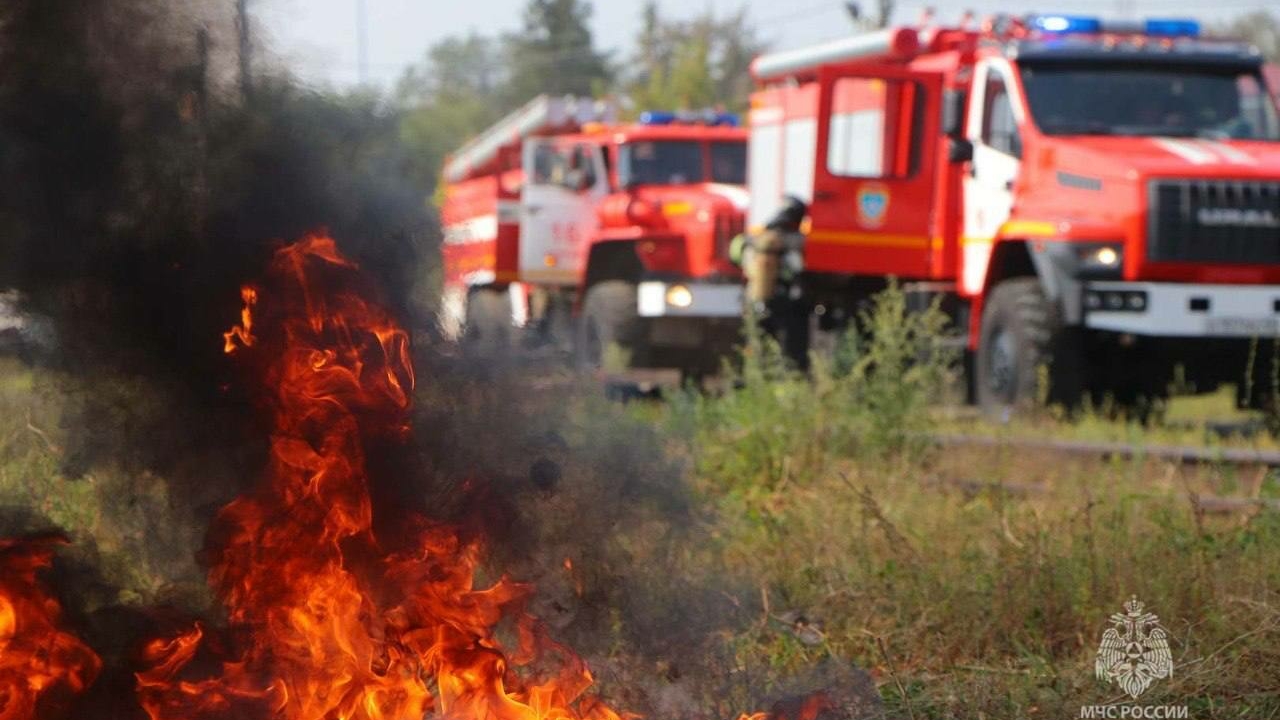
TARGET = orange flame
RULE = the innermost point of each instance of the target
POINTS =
(244, 331)
(327, 624)
(36, 657)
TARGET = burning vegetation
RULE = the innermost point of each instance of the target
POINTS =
(327, 611)
(41, 664)
(334, 604)
(326, 618)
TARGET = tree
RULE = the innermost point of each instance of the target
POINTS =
(454, 92)
(555, 52)
(456, 68)
(885, 14)
(691, 83)
(737, 44)
(650, 44)
(865, 22)
(1260, 27)
(694, 64)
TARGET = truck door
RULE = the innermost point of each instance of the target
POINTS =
(563, 184)
(992, 128)
(872, 209)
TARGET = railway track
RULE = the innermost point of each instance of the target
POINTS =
(1185, 455)
(1263, 460)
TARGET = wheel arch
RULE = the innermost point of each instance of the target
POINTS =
(611, 259)
(1018, 258)
(1009, 259)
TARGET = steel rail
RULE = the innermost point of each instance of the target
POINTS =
(1186, 455)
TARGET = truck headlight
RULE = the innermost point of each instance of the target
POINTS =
(1101, 259)
(679, 296)
(1104, 256)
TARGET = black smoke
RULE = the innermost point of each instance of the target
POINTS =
(139, 186)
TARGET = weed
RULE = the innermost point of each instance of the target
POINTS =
(978, 597)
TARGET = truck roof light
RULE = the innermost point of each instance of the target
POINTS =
(1172, 27)
(1065, 24)
(657, 117)
(704, 117)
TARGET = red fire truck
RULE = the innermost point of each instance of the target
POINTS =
(1098, 199)
(561, 222)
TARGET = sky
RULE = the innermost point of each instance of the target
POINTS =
(317, 38)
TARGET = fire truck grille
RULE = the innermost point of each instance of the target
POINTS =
(1214, 221)
(727, 228)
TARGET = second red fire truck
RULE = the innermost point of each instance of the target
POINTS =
(562, 224)
(1100, 201)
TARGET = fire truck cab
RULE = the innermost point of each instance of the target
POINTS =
(1098, 200)
(562, 223)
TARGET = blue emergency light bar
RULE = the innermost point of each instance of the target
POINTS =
(665, 117)
(1065, 24)
(657, 117)
(1173, 27)
(1078, 24)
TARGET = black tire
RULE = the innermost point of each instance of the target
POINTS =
(609, 317)
(489, 318)
(1022, 333)
(557, 328)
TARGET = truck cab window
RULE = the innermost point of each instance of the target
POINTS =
(543, 162)
(729, 163)
(660, 162)
(551, 165)
(582, 169)
(1209, 101)
(865, 133)
(999, 128)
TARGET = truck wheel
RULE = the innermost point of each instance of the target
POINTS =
(1021, 333)
(609, 318)
(488, 318)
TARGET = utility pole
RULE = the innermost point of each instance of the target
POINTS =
(246, 49)
(362, 42)
(200, 189)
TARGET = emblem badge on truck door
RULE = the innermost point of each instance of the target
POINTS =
(873, 205)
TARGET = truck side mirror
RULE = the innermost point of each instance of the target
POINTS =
(959, 150)
(953, 102)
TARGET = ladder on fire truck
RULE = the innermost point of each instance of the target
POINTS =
(542, 115)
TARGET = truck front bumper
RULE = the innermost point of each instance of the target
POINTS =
(1182, 309)
(656, 298)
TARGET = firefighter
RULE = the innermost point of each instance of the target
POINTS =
(772, 262)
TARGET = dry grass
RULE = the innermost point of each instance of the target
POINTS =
(120, 520)
(977, 583)
(994, 601)
(790, 523)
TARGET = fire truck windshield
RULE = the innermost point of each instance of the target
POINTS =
(680, 162)
(729, 162)
(1174, 100)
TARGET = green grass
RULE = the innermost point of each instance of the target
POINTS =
(119, 521)
(1187, 420)
(988, 590)
(786, 522)
(973, 584)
